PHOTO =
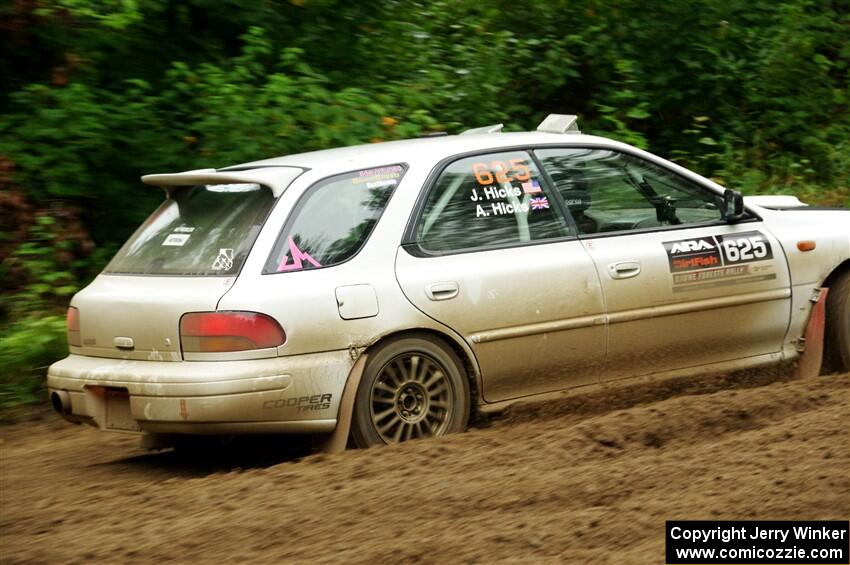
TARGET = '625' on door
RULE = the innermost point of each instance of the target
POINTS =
(744, 247)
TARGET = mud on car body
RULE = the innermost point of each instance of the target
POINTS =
(410, 283)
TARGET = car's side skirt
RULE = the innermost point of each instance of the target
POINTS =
(713, 368)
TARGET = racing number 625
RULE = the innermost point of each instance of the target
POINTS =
(484, 176)
(745, 249)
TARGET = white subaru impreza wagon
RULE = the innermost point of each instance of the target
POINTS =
(400, 287)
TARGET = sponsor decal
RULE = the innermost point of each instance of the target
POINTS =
(224, 261)
(702, 262)
(709, 274)
(176, 239)
(301, 403)
(690, 254)
(541, 203)
(395, 169)
(381, 183)
(298, 259)
(375, 178)
(184, 229)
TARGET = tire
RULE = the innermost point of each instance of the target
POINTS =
(837, 332)
(412, 387)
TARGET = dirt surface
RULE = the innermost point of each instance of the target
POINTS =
(589, 478)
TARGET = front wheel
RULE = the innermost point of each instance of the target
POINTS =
(411, 388)
(837, 331)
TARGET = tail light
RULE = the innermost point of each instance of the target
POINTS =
(218, 332)
(72, 320)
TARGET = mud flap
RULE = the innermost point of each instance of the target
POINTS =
(336, 441)
(812, 357)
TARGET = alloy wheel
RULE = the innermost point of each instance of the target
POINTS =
(411, 398)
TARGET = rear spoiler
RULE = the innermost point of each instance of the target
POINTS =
(275, 178)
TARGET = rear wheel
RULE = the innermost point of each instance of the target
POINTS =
(411, 388)
(837, 331)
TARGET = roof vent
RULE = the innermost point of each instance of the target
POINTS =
(559, 123)
(495, 128)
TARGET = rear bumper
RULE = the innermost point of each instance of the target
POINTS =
(296, 394)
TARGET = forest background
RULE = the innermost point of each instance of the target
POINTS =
(95, 93)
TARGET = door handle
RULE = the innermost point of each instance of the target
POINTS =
(441, 290)
(624, 269)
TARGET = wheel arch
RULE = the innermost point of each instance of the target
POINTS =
(463, 352)
(839, 271)
(836, 352)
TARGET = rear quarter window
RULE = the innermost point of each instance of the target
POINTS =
(333, 219)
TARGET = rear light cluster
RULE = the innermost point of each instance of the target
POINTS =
(72, 320)
(220, 332)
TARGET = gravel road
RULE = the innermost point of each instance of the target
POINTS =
(588, 478)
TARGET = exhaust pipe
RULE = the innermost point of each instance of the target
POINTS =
(61, 401)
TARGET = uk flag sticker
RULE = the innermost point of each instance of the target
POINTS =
(541, 203)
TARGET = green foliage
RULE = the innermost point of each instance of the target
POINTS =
(45, 280)
(27, 347)
(752, 93)
(45, 276)
(117, 14)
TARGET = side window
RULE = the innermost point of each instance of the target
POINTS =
(333, 220)
(610, 191)
(488, 200)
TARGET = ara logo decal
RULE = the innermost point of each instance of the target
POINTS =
(298, 259)
(695, 253)
(690, 245)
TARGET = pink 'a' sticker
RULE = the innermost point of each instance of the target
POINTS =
(298, 257)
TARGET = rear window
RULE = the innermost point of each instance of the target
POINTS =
(199, 230)
(334, 219)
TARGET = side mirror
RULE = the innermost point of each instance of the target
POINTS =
(733, 206)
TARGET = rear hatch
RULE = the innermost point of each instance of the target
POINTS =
(183, 259)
